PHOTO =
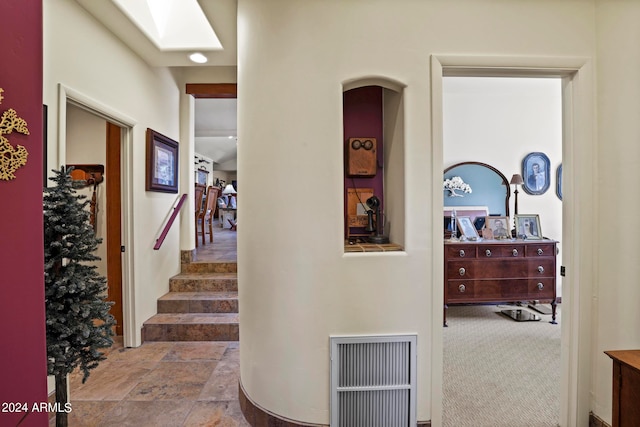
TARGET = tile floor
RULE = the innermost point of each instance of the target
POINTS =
(223, 248)
(165, 383)
(160, 384)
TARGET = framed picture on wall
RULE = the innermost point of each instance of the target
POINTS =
(559, 182)
(528, 227)
(162, 163)
(202, 176)
(535, 171)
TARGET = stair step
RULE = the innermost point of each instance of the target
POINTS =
(204, 282)
(192, 327)
(198, 302)
(209, 267)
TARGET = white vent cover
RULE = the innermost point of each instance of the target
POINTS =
(373, 381)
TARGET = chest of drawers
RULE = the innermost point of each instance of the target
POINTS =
(500, 271)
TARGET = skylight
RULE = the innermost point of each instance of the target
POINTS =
(171, 24)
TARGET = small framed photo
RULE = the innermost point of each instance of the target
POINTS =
(162, 163)
(466, 227)
(559, 182)
(499, 226)
(536, 174)
(528, 227)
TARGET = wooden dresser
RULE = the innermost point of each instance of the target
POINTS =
(626, 388)
(500, 271)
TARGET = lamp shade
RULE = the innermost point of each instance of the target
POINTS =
(517, 179)
(230, 190)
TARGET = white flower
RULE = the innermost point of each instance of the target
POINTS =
(456, 183)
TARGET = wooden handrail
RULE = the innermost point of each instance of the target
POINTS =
(174, 214)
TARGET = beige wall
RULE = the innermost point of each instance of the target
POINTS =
(293, 294)
(106, 73)
(616, 294)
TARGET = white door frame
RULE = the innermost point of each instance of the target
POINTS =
(578, 191)
(71, 96)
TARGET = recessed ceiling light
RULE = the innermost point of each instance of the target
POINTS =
(198, 58)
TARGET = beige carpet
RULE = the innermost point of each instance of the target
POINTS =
(499, 372)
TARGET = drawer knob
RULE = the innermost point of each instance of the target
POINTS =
(540, 269)
(462, 271)
(540, 286)
(461, 253)
(514, 252)
(462, 288)
(488, 252)
(540, 251)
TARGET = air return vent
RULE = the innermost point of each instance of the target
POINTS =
(373, 381)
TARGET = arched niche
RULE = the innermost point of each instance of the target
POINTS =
(373, 107)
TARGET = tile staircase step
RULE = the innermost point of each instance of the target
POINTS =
(209, 267)
(192, 327)
(203, 282)
(198, 302)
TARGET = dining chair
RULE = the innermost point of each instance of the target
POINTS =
(207, 213)
(198, 196)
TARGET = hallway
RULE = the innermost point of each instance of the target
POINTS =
(165, 383)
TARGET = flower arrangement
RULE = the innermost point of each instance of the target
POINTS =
(456, 183)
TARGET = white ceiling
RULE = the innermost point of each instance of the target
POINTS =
(221, 15)
(215, 119)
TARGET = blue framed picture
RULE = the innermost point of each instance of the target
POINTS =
(535, 171)
(559, 182)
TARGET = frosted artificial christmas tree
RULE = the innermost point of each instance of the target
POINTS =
(77, 314)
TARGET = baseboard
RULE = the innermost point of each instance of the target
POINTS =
(595, 421)
(259, 417)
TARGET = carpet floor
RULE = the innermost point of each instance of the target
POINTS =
(500, 372)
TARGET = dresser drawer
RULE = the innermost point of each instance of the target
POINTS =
(500, 268)
(501, 251)
(541, 250)
(487, 290)
(542, 289)
(459, 251)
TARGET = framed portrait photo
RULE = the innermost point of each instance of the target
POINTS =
(535, 172)
(528, 227)
(559, 182)
(466, 227)
(499, 226)
(162, 163)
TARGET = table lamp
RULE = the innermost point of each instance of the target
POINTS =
(516, 180)
(229, 191)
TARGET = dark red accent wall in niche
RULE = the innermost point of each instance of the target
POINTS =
(23, 369)
(362, 117)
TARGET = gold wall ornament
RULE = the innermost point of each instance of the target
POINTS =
(11, 158)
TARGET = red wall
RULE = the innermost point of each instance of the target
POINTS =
(23, 370)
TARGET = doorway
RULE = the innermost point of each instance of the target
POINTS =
(82, 119)
(577, 102)
(215, 157)
(498, 121)
(103, 152)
